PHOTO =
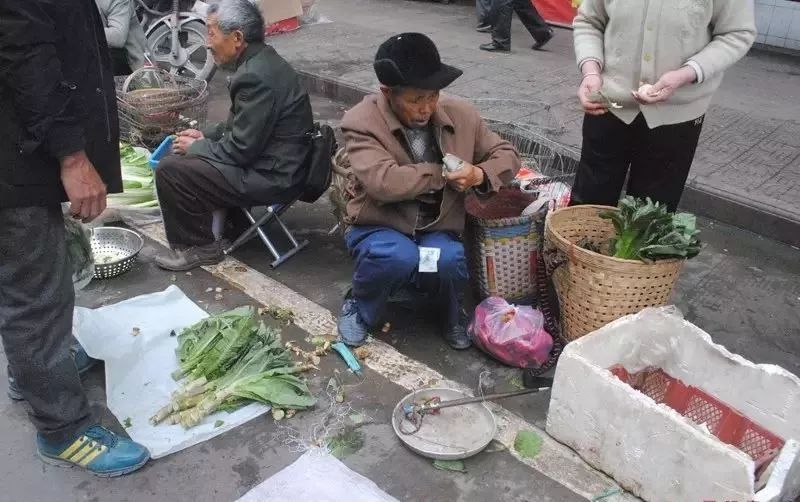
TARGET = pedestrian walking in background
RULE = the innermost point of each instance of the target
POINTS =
(59, 141)
(501, 24)
(124, 35)
(483, 9)
(680, 47)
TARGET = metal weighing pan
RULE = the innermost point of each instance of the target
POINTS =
(453, 434)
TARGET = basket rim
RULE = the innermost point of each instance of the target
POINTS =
(123, 230)
(612, 259)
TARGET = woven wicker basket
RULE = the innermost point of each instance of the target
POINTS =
(502, 246)
(594, 289)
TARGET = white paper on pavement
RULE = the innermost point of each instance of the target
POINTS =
(138, 368)
(317, 476)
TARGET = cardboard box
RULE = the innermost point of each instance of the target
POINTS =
(278, 10)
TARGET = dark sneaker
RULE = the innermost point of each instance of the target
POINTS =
(484, 28)
(543, 41)
(82, 361)
(98, 450)
(193, 257)
(456, 335)
(495, 47)
(352, 329)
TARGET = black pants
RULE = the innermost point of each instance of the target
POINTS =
(501, 20)
(483, 8)
(656, 161)
(190, 190)
(36, 303)
(119, 62)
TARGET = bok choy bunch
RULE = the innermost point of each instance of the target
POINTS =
(646, 230)
(230, 360)
(138, 182)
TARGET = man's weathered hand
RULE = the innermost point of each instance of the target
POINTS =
(192, 133)
(184, 140)
(85, 189)
(466, 177)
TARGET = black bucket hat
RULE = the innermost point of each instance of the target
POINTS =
(412, 60)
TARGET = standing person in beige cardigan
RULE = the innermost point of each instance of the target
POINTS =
(681, 48)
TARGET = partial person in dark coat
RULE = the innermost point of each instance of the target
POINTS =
(258, 157)
(58, 142)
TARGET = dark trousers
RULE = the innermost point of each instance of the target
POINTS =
(483, 9)
(36, 303)
(501, 22)
(119, 62)
(387, 261)
(656, 161)
(189, 191)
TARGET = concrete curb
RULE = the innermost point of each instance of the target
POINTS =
(698, 200)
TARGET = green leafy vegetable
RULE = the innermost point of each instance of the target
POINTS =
(450, 465)
(346, 443)
(138, 182)
(646, 230)
(528, 444)
(227, 361)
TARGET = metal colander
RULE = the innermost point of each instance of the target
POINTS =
(114, 249)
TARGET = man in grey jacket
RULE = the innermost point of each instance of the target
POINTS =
(258, 157)
(124, 35)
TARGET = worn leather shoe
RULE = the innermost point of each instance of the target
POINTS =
(193, 257)
(484, 28)
(541, 43)
(456, 335)
(495, 47)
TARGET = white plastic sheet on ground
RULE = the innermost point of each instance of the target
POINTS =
(138, 380)
(319, 477)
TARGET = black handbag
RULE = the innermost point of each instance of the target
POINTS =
(319, 162)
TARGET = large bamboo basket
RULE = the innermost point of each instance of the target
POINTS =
(594, 289)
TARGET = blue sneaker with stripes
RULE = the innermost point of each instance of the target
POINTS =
(98, 450)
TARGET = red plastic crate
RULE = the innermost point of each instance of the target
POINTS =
(285, 26)
(727, 424)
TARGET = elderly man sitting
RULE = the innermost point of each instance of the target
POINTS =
(407, 214)
(258, 157)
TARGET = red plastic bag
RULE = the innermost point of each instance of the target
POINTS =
(511, 334)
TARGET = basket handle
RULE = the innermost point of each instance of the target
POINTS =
(158, 71)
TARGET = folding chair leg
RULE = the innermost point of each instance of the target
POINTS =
(288, 254)
(295, 245)
(256, 230)
(251, 232)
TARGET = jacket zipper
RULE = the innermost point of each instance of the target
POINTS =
(416, 218)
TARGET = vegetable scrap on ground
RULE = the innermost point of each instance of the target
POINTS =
(229, 360)
(138, 182)
(647, 231)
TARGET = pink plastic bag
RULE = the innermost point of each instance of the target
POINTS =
(511, 334)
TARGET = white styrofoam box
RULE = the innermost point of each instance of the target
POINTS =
(651, 449)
